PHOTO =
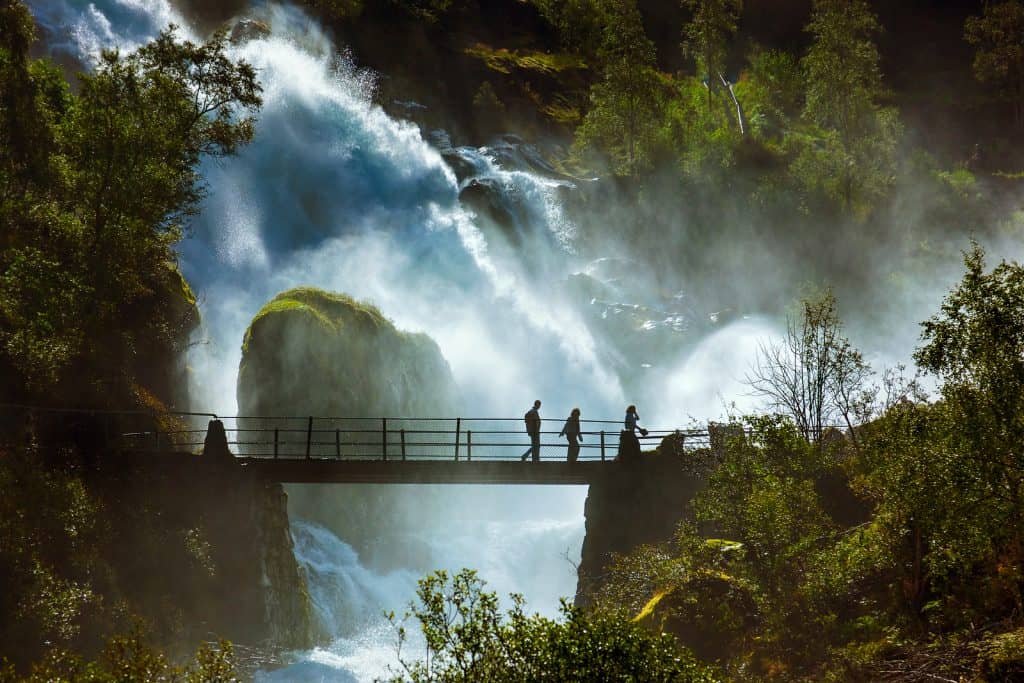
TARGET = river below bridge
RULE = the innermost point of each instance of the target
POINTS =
(526, 541)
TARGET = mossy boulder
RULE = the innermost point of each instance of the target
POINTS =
(311, 352)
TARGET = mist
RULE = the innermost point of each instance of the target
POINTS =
(572, 293)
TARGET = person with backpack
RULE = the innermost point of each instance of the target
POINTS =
(532, 419)
(571, 431)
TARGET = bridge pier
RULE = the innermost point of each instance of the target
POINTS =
(216, 443)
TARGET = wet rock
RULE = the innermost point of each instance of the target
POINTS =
(249, 29)
(486, 197)
(461, 165)
(641, 504)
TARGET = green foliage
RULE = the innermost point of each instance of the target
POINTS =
(94, 192)
(772, 92)
(975, 346)
(486, 102)
(49, 532)
(620, 127)
(693, 587)
(757, 593)
(937, 490)
(128, 658)
(1003, 657)
(842, 67)
(762, 495)
(504, 60)
(707, 35)
(998, 35)
(855, 161)
(469, 639)
(704, 138)
(579, 23)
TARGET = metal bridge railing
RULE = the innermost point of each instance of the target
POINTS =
(341, 438)
(397, 439)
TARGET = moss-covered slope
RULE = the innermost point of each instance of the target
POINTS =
(311, 352)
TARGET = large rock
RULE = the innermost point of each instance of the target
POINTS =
(310, 352)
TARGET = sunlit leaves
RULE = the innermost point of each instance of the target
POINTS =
(470, 639)
(621, 125)
(95, 189)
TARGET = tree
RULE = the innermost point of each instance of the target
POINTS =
(579, 23)
(95, 189)
(707, 36)
(814, 375)
(975, 346)
(998, 35)
(625, 105)
(844, 86)
(128, 658)
(469, 639)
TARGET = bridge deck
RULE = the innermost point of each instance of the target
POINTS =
(299, 471)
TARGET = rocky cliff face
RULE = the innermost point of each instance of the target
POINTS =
(288, 609)
(642, 503)
(203, 549)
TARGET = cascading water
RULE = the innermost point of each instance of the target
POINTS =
(336, 194)
(513, 555)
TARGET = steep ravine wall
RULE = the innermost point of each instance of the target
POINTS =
(640, 503)
(209, 551)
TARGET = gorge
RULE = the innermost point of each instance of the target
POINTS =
(371, 254)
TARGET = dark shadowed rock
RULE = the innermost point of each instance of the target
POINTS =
(487, 198)
(249, 29)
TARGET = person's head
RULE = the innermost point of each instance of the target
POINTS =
(575, 412)
(631, 409)
(536, 404)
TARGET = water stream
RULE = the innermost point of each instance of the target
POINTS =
(335, 193)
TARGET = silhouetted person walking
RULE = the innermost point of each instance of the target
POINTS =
(571, 431)
(532, 419)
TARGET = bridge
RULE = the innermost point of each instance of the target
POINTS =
(384, 450)
(390, 450)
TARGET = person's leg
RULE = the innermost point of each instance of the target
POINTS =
(535, 446)
(574, 450)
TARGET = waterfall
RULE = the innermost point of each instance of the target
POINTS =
(513, 554)
(336, 194)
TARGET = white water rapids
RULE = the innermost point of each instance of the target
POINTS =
(336, 194)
